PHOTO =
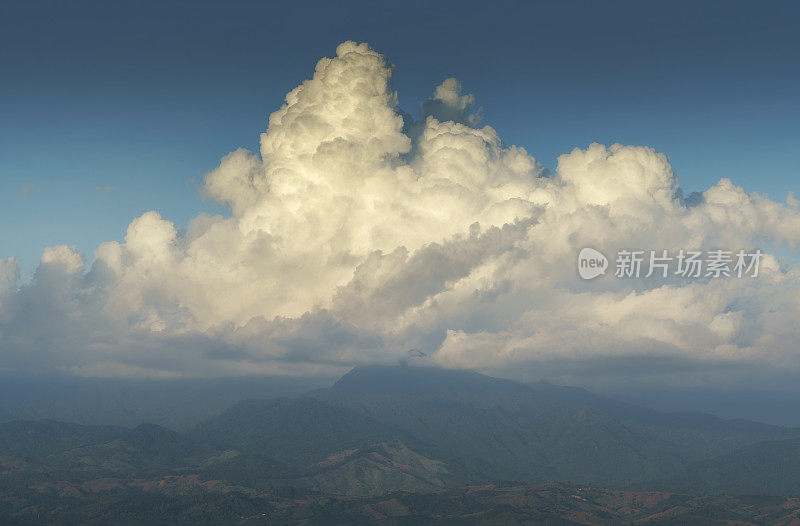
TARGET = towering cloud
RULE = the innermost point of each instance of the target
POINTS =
(359, 232)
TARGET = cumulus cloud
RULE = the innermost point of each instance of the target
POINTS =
(358, 232)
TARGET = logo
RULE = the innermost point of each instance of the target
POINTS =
(591, 263)
(695, 264)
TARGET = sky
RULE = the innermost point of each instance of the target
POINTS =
(183, 192)
(110, 109)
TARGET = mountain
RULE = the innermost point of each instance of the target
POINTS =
(321, 447)
(765, 468)
(148, 449)
(380, 430)
(334, 449)
(298, 432)
(509, 430)
(727, 433)
(481, 428)
(71, 460)
(378, 469)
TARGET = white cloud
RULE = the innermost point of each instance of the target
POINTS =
(357, 233)
(9, 274)
(67, 258)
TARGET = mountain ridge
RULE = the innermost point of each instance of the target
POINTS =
(385, 429)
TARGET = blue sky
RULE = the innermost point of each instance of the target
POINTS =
(111, 109)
